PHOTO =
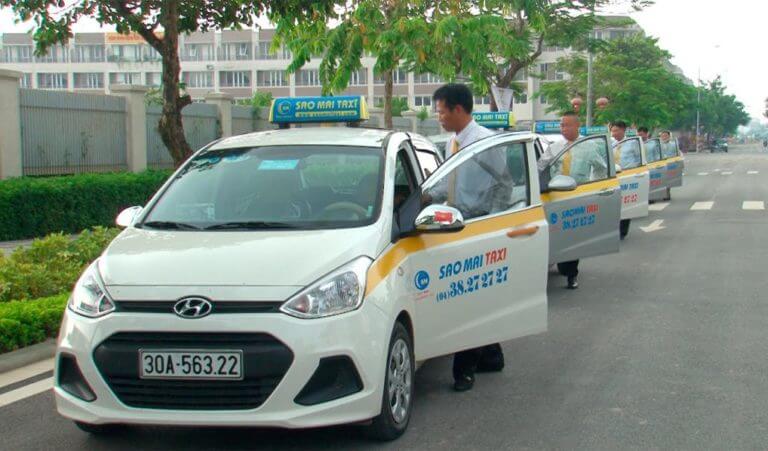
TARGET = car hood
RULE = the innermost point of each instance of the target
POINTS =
(140, 257)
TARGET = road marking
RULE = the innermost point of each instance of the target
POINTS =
(658, 207)
(717, 170)
(26, 391)
(702, 206)
(727, 173)
(654, 226)
(703, 173)
(753, 172)
(17, 375)
(753, 205)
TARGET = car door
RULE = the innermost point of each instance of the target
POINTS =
(583, 223)
(486, 283)
(657, 168)
(675, 163)
(634, 177)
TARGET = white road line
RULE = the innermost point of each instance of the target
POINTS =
(702, 206)
(717, 170)
(703, 173)
(654, 226)
(25, 391)
(26, 372)
(658, 207)
(753, 172)
(727, 173)
(753, 205)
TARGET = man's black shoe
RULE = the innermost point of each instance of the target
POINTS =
(572, 283)
(464, 383)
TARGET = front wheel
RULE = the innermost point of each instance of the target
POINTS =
(397, 397)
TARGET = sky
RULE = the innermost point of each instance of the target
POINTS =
(712, 37)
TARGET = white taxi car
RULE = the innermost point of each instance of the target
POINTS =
(294, 278)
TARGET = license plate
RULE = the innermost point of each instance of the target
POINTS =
(190, 364)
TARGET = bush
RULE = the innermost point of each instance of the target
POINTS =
(50, 265)
(33, 207)
(23, 323)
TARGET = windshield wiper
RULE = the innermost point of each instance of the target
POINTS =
(251, 225)
(169, 225)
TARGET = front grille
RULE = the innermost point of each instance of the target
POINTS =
(265, 362)
(218, 307)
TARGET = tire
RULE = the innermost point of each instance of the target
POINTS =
(393, 419)
(97, 429)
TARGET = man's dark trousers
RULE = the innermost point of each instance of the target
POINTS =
(465, 362)
(569, 269)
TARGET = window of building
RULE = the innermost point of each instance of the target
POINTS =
(88, 54)
(235, 51)
(271, 78)
(125, 78)
(17, 54)
(358, 78)
(150, 54)
(89, 80)
(124, 53)
(262, 51)
(52, 80)
(427, 79)
(26, 81)
(154, 79)
(550, 73)
(521, 75)
(520, 97)
(235, 79)
(197, 52)
(543, 100)
(54, 54)
(485, 100)
(308, 77)
(399, 77)
(422, 101)
(198, 79)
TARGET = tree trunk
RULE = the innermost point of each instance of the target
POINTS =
(388, 88)
(170, 125)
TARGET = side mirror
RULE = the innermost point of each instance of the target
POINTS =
(562, 183)
(439, 218)
(618, 168)
(127, 217)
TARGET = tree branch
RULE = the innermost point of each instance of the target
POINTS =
(148, 33)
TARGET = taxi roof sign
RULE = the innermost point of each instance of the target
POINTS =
(593, 130)
(288, 110)
(545, 127)
(631, 132)
(495, 119)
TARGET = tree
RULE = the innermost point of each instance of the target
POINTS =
(392, 31)
(490, 41)
(634, 74)
(159, 22)
(721, 113)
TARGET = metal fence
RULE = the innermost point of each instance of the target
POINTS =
(201, 126)
(66, 133)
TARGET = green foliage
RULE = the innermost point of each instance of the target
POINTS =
(721, 113)
(423, 114)
(399, 104)
(33, 207)
(50, 265)
(23, 323)
(261, 100)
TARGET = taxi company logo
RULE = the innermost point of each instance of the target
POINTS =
(553, 218)
(284, 107)
(192, 307)
(422, 280)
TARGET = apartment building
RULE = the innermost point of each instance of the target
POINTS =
(240, 62)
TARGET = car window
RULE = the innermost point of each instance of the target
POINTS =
(296, 186)
(428, 162)
(669, 149)
(586, 161)
(653, 150)
(492, 181)
(628, 154)
(404, 179)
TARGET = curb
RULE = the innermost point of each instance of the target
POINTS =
(25, 356)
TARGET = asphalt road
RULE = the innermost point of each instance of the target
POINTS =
(664, 346)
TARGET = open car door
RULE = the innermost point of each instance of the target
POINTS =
(634, 177)
(657, 167)
(675, 163)
(585, 222)
(487, 282)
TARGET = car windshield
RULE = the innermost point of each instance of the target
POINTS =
(669, 148)
(280, 187)
(652, 150)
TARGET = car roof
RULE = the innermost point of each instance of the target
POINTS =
(344, 136)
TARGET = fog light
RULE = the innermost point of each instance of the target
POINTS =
(334, 378)
(71, 380)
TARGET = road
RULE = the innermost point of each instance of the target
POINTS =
(663, 346)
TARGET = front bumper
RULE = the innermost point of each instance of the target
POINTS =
(362, 336)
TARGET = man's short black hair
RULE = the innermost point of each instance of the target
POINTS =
(453, 95)
(571, 114)
(621, 124)
(643, 129)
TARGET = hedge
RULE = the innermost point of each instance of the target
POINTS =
(33, 207)
(23, 323)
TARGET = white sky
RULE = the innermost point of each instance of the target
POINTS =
(710, 35)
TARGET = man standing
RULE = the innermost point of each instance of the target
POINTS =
(618, 133)
(642, 132)
(454, 103)
(569, 128)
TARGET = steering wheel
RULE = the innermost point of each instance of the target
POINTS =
(331, 210)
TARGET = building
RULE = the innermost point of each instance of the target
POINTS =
(239, 62)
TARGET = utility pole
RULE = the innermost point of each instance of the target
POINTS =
(698, 113)
(589, 87)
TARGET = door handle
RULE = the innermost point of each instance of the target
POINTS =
(523, 231)
(607, 192)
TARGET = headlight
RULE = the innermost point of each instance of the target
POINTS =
(89, 298)
(338, 292)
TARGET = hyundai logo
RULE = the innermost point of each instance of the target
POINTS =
(193, 307)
